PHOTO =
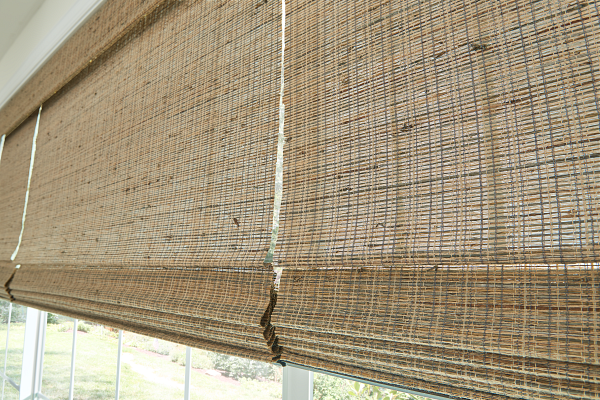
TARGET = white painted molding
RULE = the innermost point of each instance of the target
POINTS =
(67, 25)
(297, 383)
(33, 352)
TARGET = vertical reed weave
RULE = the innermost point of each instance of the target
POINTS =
(439, 223)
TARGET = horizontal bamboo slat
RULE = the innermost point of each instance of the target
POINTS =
(218, 310)
(506, 330)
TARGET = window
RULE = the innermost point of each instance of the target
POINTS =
(150, 367)
(13, 332)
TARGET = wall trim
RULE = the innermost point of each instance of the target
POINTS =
(66, 26)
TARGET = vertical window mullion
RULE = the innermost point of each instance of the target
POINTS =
(7, 328)
(188, 372)
(119, 364)
(297, 384)
(72, 383)
(32, 346)
(41, 348)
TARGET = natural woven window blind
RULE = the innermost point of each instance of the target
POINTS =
(440, 215)
(439, 221)
(14, 171)
(114, 20)
(151, 197)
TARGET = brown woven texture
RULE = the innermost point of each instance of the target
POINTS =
(205, 307)
(14, 171)
(151, 199)
(439, 227)
(516, 331)
(113, 20)
(441, 132)
(163, 153)
(440, 207)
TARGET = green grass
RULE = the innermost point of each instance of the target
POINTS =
(10, 393)
(15, 350)
(144, 376)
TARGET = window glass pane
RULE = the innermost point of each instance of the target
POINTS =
(154, 368)
(95, 362)
(15, 343)
(220, 376)
(327, 387)
(56, 377)
(147, 371)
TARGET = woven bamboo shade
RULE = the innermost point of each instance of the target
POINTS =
(439, 132)
(440, 222)
(474, 332)
(166, 147)
(208, 308)
(151, 198)
(14, 171)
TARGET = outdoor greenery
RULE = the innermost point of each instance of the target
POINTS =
(243, 368)
(18, 314)
(327, 387)
(15, 349)
(83, 327)
(154, 368)
(53, 319)
(233, 367)
(369, 392)
(145, 374)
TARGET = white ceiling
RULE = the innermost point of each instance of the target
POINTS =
(14, 15)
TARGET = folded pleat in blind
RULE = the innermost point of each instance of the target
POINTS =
(211, 308)
(14, 172)
(6, 273)
(154, 177)
(473, 332)
(440, 209)
(440, 222)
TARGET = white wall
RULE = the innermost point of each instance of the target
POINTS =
(48, 29)
(14, 15)
(38, 27)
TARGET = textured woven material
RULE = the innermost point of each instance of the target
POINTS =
(204, 307)
(439, 224)
(113, 20)
(151, 198)
(519, 331)
(166, 147)
(441, 195)
(441, 132)
(14, 171)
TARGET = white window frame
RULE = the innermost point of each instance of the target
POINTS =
(4, 377)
